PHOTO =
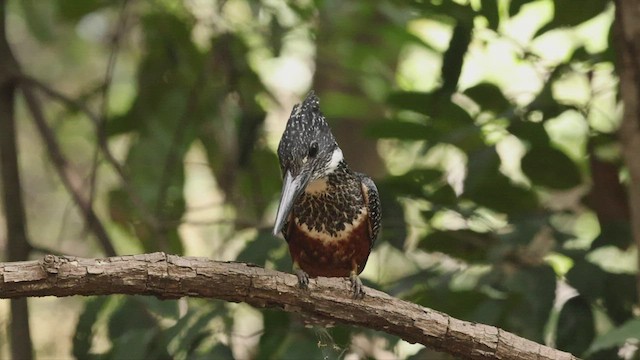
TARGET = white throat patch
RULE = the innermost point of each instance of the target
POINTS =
(336, 157)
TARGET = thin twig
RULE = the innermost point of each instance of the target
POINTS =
(71, 180)
(101, 137)
(135, 198)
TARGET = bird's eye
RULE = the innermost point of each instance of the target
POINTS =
(313, 149)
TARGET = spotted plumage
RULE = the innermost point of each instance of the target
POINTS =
(329, 214)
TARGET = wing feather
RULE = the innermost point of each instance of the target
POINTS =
(372, 201)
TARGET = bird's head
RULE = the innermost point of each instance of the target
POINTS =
(307, 152)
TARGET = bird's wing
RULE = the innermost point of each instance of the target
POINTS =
(372, 201)
(285, 228)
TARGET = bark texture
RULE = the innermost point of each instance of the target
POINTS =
(627, 42)
(169, 276)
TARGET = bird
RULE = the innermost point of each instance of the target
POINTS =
(329, 214)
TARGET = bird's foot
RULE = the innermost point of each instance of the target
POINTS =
(356, 286)
(303, 278)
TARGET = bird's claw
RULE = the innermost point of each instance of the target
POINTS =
(356, 287)
(303, 278)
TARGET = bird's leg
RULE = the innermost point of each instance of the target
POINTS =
(303, 277)
(356, 285)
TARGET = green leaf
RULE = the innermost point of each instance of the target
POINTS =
(489, 97)
(524, 228)
(531, 294)
(490, 11)
(37, 15)
(617, 336)
(570, 13)
(343, 105)
(412, 183)
(394, 227)
(83, 337)
(588, 279)
(191, 334)
(285, 339)
(411, 100)
(446, 11)
(134, 344)
(616, 292)
(575, 328)
(532, 132)
(443, 196)
(616, 233)
(487, 186)
(550, 167)
(460, 304)
(130, 315)
(74, 10)
(261, 249)
(620, 296)
(516, 5)
(402, 130)
(464, 244)
(258, 182)
(544, 102)
(453, 58)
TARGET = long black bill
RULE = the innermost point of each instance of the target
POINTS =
(291, 189)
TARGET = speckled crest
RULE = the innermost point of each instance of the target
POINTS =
(305, 126)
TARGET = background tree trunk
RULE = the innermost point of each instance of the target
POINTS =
(627, 42)
(17, 244)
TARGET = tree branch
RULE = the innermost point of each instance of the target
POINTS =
(169, 276)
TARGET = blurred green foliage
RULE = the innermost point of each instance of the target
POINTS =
(499, 246)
